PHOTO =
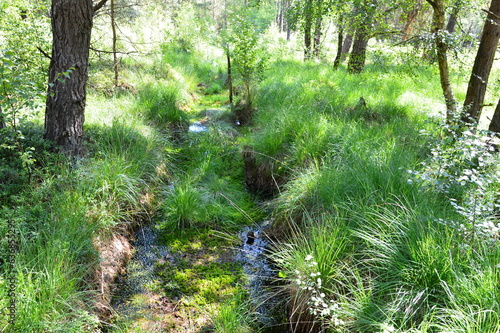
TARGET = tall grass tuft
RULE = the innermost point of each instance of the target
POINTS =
(233, 317)
(312, 260)
(161, 103)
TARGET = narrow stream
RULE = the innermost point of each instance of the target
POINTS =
(139, 293)
(260, 276)
(138, 287)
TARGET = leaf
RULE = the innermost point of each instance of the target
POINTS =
(281, 274)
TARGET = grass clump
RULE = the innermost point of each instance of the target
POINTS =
(161, 103)
(233, 317)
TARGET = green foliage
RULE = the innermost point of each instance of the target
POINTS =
(20, 19)
(188, 28)
(462, 166)
(248, 56)
(183, 207)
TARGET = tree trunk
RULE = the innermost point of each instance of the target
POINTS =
(317, 36)
(307, 33)
(476, 90)
(229, 79)
(495, 121)
(410, 18)
(113, 29)
(280, 14)
(358, 54)
(441, 49)
(452, 19)
(68, 72)
(346, 46)
(317, 28)
(336, 62)
(2, 119)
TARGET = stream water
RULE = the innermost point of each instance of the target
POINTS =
(260, 277)
(137, 287)
(138, 293)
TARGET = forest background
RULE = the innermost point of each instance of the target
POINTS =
(366, 131)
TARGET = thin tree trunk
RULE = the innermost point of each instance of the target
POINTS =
(307, 34)
(317, 29)
(279, 16)
(441, 49)
(358, 54)
(317, 37)
(346, 46)
(476, 90)
(113, 29)
(229, 79)
(2, 119)
(336, 62)
(410, 18)
(452, 19)
(68, 72)
(495, 121)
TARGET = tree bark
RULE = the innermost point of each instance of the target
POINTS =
(340, 34)
(279, 16)
(452, 19)
(2, 119)
(495, 121)
(113, 29)
(68, 72)
(410, 19)
(317, 36)
(441, 49)
(307, 32)
(229, 79)
(478, 81)
(346, 46)
(318, 25)
(358, 54)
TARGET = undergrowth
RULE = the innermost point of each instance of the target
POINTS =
(363, 249)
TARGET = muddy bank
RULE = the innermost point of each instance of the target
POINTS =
(114, 251)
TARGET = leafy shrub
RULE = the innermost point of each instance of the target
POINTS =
(463, 168)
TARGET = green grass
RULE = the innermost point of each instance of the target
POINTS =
(402, 268)
(58, 217)
(233, 317)
(344, 212)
